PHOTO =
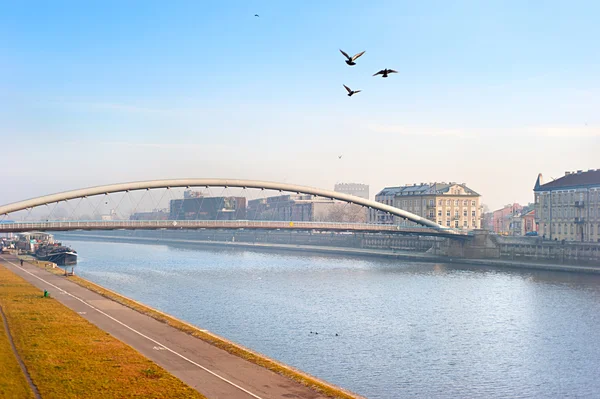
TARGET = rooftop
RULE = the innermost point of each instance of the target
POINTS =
(571, 180)
(424, 189)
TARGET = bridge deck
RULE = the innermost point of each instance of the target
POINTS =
(223, 224)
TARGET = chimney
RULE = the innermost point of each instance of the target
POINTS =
(567, 173)
(579, 171)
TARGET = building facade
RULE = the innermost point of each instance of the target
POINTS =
(506, 220)
(568, 208)
(528, 222)
(448, 204)
(208, 208)
(356, 189)
(304, 208)
(157, 214)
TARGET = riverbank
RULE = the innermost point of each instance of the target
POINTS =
(362, 252)
(68, 357)
(316, 387)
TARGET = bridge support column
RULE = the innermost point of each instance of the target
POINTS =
(480, 246)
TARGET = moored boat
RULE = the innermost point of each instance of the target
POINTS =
(56, 253)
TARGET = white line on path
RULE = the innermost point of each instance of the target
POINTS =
(137, 332)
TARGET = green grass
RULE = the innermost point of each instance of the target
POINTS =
(68, 357)
(231, 347)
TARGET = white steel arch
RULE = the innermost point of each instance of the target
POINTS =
(238, 183)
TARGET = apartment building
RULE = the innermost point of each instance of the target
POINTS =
(568, 208)
(448, 204)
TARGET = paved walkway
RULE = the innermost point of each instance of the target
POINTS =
(210, 370)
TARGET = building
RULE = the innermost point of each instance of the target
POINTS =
(507, 220)
(528, 222)
(487, 221)
(356, 189)
(156, 214)
(568, 208)
(112, 215)
(448, 204)
(304, 208)
(207, 208)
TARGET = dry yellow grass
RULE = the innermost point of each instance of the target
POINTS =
(68, 357)
(231, 347)
(12, 381)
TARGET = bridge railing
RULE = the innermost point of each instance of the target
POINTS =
(213, 224)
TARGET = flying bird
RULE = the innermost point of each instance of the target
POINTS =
(350, 60)
(340, 156)
(351, 92)
(384, 72)
(256, 15)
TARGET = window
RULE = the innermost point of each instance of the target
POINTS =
(431, 202)
(559, 229)
(465, 203)
(439, 222)
(448, 202)
(465, 224)
(571, 229)
(474, 223)
(409, 202)
(464, 212)
(447, 213)
(431, 213)
(455, 202)
(404, 203)
(441, 202)
(448, 223)
(473, 213)
(472, 203)
(456, 213)
(456, 224)
(439, 212)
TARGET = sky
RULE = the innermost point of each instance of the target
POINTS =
(487, 93)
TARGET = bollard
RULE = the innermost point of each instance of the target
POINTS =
(46, 294)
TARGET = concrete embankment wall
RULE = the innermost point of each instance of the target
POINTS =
(535, 249)
(366, 241)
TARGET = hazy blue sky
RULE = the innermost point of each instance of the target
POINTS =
(488, 92)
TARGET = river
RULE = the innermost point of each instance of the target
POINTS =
(404, 329)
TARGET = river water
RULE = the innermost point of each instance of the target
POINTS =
(404, 329)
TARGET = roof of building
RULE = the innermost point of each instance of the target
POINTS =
(571, 180)
(424, 189)
(529, 213)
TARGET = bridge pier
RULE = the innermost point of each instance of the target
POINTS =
(481, 246)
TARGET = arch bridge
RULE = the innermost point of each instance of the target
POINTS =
(426, 227)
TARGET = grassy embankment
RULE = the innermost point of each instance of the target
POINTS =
(231, 347)
(12, 381)
(68, 357)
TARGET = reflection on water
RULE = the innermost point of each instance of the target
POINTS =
(404, 329)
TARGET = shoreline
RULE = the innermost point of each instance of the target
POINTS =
(360, 252)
